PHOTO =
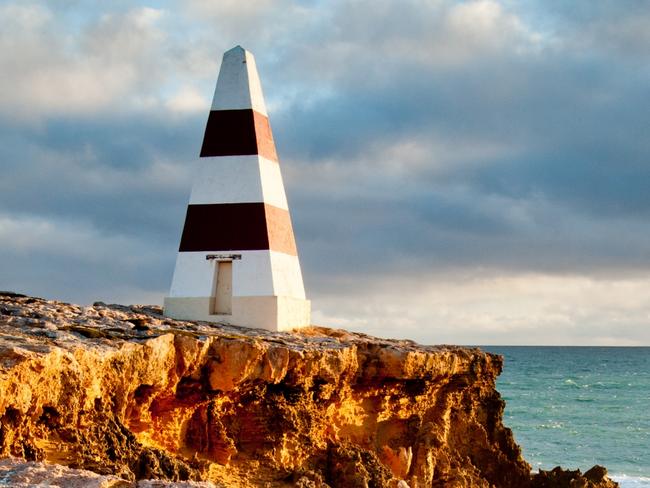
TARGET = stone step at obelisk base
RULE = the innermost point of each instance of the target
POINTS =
(238, 262)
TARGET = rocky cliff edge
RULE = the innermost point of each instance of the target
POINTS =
(110, 396)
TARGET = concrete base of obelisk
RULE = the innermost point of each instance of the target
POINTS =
(267, 312)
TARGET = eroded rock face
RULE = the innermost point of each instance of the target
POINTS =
(125, 392)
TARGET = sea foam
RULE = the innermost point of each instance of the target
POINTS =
(630, 481)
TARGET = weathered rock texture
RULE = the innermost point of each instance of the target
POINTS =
(125, 392)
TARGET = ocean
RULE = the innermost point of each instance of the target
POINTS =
(580, 406)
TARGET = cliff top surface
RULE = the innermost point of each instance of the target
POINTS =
(35, 324)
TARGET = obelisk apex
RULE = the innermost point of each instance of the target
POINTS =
(238, 86)
(238, 260)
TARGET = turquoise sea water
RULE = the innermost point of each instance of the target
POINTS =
(580, 406)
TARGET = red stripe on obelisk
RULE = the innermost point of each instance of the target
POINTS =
(237, 227)
(238, 133)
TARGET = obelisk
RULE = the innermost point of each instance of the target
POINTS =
(237, 261)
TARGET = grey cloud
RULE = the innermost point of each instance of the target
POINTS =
(69, 259)
(108, 172)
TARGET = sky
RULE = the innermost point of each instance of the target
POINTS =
(468, 172)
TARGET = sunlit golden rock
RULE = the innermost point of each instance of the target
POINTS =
(125, 392)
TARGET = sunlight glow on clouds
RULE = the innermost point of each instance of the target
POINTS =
(485, 309)
(188, 99)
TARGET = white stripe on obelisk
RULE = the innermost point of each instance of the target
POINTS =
(238, 179)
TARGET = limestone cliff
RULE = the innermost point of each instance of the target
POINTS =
(128, 395)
